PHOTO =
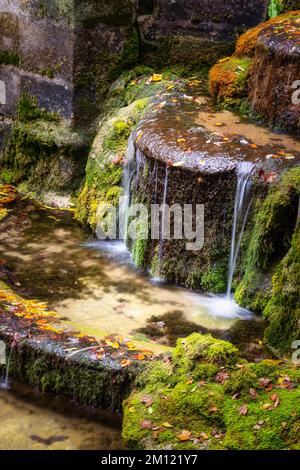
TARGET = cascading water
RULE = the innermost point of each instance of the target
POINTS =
(163, 216)
(242, 205)
(127, 181)
(4, 384)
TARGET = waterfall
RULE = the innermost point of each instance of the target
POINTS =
(162, 231)
(242, 205)
(4, 384)
(127, 181)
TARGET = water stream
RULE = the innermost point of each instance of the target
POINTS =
(163, 218)
(31, 420)
(242, 205)
(94, 284)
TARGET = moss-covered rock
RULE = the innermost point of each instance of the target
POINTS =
(42, 152)
(104, 167)
(125, 105)
(229, 77)
(283, 308)
(226, 404)
(270, 253)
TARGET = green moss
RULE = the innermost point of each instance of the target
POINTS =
(279, 428)
(268, 241)
(39, 146)
(180, 402)
(9, 58)
(214, 279)
(202, 348)
(283, 309)
(29, 110)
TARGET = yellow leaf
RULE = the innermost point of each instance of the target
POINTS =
(156, 77)
(185, 435)
(139, 137)
(221, 61)
(167, 425)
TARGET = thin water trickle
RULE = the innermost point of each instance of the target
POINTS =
(163, 217)
(4, 384)
(242, 205)
(128, 173)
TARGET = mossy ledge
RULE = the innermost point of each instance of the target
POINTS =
(269, 273)
(45, 366)
(42, 152)
(48, 354)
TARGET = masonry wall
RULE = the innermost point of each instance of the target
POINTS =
(66, 52)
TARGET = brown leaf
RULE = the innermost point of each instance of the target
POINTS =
(253, 393)
(203, 436)
(213, 409)
(263, 382)
(146, 424)
(185, 435)
(236, 396)
(222, 376)
(273, 397)
(202, 383)
(147, 401)
(243, 410)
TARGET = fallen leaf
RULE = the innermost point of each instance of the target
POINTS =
(267, 407)
(203, 436)
(185, 435)
(214, 409)
(156, 77)
(167, 425)
(263, 382)
(253, 393)
(243, 410)
(140, 134)
(146, 400)
(273, 397)
(146, 424)
(178, 164)
(221, 377)
(125, 363)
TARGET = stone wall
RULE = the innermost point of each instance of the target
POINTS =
(217, 20)
(66, 52)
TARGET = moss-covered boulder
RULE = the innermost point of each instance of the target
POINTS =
(260, 90)
(229, 79)
(125, 106)
(203, 397)
(271, 250)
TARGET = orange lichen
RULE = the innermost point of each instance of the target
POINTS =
(246, 43)
(227, 79)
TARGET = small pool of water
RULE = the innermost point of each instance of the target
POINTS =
(34, 421)
(94, 285)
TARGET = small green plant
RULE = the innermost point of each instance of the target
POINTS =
(275, 8)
